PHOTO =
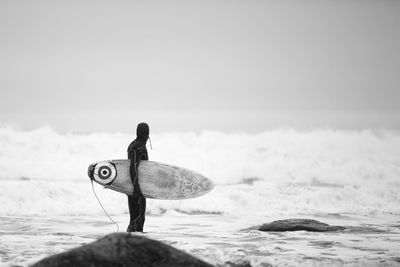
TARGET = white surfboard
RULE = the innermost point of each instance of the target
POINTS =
(156, 180)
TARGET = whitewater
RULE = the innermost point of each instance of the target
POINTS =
(340, 177)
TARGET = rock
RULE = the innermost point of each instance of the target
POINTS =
(232, 264)
(299, 225)
(122, 249)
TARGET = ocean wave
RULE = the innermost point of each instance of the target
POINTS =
(278, 171)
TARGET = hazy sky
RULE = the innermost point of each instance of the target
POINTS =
(190, 65)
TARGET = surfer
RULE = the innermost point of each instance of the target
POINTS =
(137, 202)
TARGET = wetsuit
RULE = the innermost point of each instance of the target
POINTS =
(137, 202)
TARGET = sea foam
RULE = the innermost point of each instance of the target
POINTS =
(282, 171)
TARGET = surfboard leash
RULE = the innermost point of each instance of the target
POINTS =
(105, 212)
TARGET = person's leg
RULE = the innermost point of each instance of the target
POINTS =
(142, 207)
(133, 204)
(134, 213)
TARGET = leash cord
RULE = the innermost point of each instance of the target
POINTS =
(105, 212)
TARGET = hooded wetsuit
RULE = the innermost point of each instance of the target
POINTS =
(137, 202)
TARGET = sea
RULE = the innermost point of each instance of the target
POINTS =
(340, 177)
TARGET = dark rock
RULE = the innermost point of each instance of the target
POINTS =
(233, 264)
(299, 225)
(396, 259)
(122, 249)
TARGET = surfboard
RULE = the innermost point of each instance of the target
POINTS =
(156, 180)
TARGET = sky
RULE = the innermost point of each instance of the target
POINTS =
(193, 65)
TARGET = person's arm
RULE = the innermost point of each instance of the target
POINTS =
(135, 160)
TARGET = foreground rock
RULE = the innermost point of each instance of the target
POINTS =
(299, 225)
(122, 249)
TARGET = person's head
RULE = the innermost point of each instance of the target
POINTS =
(142, 131)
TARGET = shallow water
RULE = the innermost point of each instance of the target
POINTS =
(218, 239)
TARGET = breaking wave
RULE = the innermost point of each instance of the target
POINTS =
(279, 171)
